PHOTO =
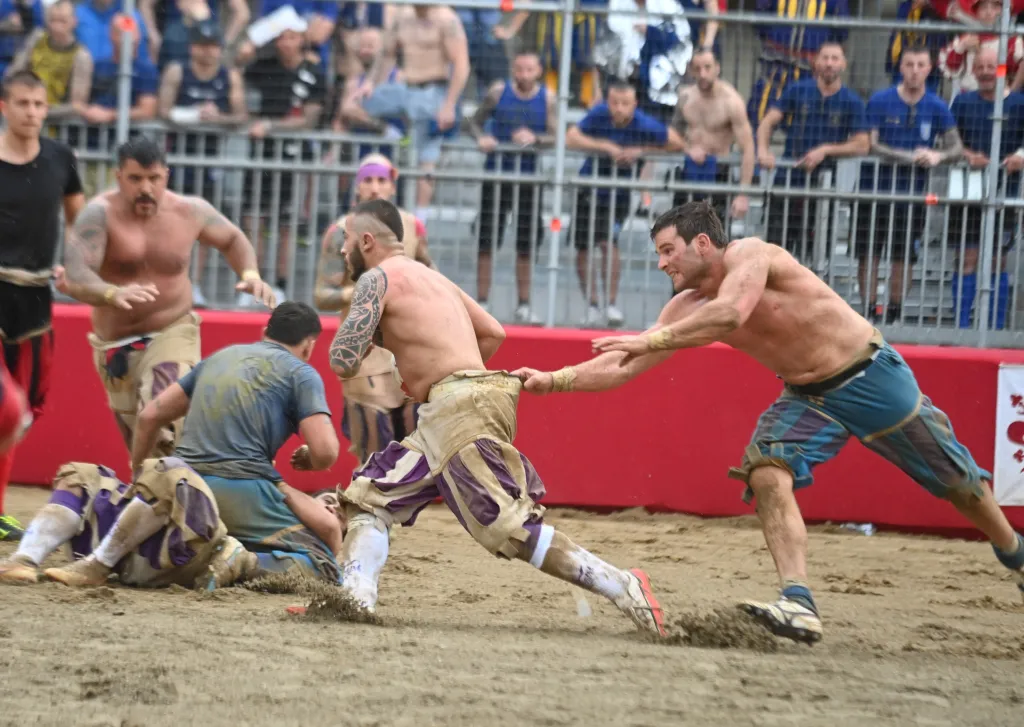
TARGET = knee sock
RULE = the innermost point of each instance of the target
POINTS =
(1014, 560)
(6, 464)
(364, 553)
(133, 526)
(553, 553)
(798, 591)
(53, 526)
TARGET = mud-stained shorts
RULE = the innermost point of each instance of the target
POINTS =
(255, 512)
(370, 428)
(135, 371)
(883, 407)
(461, 451)
(178, 552)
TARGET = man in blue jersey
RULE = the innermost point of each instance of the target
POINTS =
(215, 512)
(619, 135)
(824, 120)
(519, 111)
(905, 123)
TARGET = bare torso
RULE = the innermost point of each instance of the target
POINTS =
(707, 119)
(800, 329)
(154, 250)
(424, 58)
(426, 325)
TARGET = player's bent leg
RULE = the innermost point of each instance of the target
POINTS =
(494, 492)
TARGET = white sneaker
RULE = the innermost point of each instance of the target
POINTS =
(198, 299)
(787, 618)
(615, 316)
(593, 317)
(525, 316)
(640, 604)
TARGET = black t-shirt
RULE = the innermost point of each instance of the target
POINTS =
(284, 92)
(31, 197)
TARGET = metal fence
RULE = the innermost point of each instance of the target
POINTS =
(936, 237)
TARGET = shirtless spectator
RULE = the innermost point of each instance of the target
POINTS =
(824, 120)
(127, 256)
(618, 135)
(355, 19)
(61, 62)
(711, 117)
(435, 68)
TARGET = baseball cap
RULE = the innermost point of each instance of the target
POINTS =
(205, 31)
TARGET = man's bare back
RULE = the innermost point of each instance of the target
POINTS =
(708, 121)
(425, 320)
(422, 40)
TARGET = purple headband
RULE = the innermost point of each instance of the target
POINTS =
(375, 170)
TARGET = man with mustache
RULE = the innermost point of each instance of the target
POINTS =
(128, 256)
(376, 410)
(462, 447)
(841, 380)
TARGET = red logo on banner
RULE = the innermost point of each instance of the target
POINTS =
(1015, 432)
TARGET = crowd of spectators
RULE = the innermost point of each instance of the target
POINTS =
(645, 76)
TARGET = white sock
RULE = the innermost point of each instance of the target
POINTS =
(137, 522)
(596, 576)
(53, 526)
(366, 551)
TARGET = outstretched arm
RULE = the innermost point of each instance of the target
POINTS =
(219, 232)
(609, 370)
(355, 335)
(172, 404)
(746, 274)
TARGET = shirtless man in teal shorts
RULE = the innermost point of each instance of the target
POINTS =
(841, 379)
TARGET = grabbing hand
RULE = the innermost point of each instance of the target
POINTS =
(259, 290)
(301, 460)
(632, 346)
(534, 381)
(126, 296)
(60, 279)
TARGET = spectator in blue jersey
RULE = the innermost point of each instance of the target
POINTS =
(168, 23)
(94, 20)
(973, 112)
(787, 51)
(915, 12)
(823, 121)
(102, 106)
(521, 112)
(201, 92)
(617, 136)
(905, 122)
(18, 18)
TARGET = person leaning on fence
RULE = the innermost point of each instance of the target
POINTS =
(523, 112)
(904, 122)
(973, 112)
(618, 135)
(823, 120)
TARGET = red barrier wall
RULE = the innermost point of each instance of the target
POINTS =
(664, 441)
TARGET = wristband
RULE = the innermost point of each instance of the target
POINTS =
(108, 294)
(564, 379)
(248, 275)
(660, 340)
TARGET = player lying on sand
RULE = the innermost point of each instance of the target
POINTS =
(841, 380)
(200, 512)
(462, 447)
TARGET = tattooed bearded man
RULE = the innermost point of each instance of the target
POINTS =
(128, 257)
(462, 447)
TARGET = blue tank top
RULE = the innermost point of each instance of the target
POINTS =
(194, 92)
(514, 113)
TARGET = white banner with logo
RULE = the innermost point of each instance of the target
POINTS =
(1008, 472)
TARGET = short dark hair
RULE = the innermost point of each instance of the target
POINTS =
(142, 150)
(692, 219)
(707, 51)
(25, 79)
(834, 44)
(291, 323)
(917, 50)
(384, 212)
(617, 84)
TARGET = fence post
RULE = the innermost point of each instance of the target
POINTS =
(124, 71)
(989, 233)
(564, 70)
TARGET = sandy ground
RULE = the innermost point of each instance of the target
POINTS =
(919, 631)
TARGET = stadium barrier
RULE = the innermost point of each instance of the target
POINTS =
(663, 442)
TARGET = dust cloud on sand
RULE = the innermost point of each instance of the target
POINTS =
(918, 631)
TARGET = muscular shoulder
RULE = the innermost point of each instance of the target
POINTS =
(728, 93)
(681, 305)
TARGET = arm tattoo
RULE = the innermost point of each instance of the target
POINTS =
(952, 146)
(485, 109)
(207, 215)
(357, 330)
(86, 245)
